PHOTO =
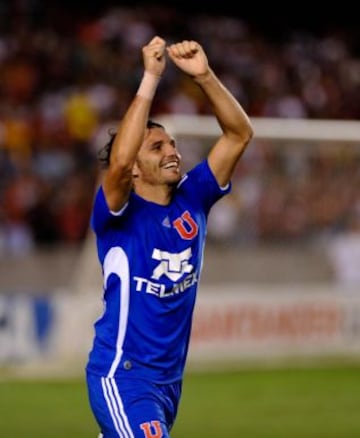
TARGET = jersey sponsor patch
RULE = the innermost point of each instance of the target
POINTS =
(172, 265)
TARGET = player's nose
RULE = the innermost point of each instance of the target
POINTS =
(170, 149)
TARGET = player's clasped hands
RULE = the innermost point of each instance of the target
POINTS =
(187, 55)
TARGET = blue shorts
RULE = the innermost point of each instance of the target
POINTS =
(133, 408)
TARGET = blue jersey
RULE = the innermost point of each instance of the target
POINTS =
(151, 257)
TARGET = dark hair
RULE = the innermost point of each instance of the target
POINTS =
(104, 153)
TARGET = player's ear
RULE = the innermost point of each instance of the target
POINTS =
(135, 171)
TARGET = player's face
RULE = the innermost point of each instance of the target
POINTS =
(158, 160)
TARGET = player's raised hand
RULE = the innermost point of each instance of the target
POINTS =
(190, 57)
(154, 56)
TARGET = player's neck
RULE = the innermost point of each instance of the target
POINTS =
(160, 194)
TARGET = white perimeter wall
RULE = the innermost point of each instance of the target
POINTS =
(230, 323)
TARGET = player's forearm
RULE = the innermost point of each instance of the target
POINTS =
(132, 127)
(130, 135)
(230, 115)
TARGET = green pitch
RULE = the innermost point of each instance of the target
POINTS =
(321, 402)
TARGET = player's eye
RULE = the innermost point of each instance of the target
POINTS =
(156, 146)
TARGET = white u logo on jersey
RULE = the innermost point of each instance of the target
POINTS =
(173, 265)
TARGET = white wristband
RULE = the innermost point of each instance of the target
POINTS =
(148, 85)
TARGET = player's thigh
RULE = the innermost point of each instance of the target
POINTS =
(107, 408)
(126, 408)
(147, 419)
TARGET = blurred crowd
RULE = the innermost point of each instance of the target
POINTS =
(66, 79)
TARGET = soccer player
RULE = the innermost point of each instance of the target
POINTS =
(150, 225)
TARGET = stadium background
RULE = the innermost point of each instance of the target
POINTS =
(68, 70)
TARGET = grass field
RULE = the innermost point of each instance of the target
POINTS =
(316, 402)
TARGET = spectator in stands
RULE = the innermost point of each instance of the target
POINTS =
(56, 53)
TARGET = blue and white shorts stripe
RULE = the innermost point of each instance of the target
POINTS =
(133, 408)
